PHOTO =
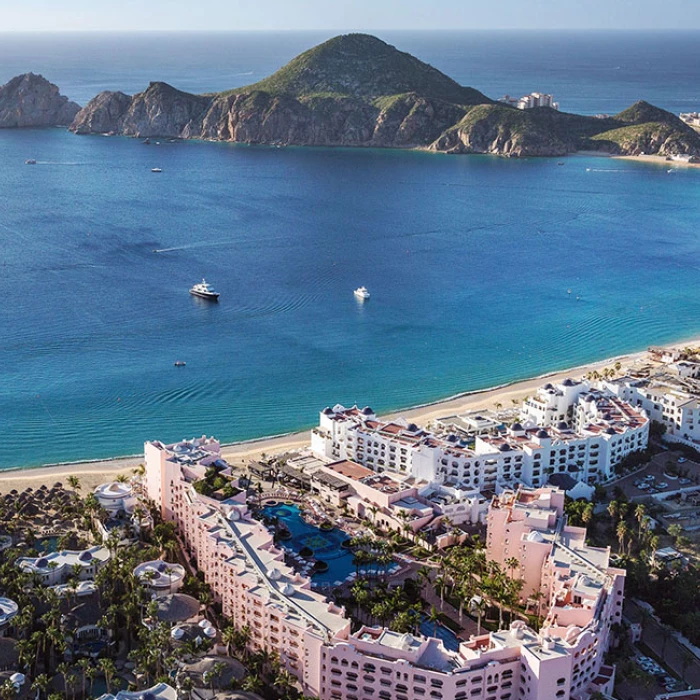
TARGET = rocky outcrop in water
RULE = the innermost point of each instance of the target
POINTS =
(356, 90)
(31, 100)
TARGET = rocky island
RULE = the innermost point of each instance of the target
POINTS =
(354, 90)
(31, 100)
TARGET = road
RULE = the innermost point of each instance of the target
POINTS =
(653, 637)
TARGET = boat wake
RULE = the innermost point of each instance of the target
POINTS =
(607, 170)
(203, 244)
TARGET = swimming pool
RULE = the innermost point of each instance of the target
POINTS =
(326, 544)
(46, 545)
(448, 637)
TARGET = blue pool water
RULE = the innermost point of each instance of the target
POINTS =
(468, 259)
(46, 545)
(448, 637)
(325, 545)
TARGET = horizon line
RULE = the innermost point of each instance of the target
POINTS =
(95, 30)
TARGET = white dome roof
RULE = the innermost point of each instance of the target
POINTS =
(177, 633)
(274, 574)
(288, 589)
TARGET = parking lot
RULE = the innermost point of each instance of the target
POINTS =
(654, 479)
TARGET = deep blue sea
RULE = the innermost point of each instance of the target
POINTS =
(468, 259)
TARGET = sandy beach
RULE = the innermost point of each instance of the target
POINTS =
(94, 473)
(659, 160)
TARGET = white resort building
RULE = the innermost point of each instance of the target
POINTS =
(8, 612)
(160, 577)
(56, 568)
(115, 496)
(671, 397)
(568, 428)
(534, 99)
(313, 637)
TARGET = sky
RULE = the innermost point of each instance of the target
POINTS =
(179, 15)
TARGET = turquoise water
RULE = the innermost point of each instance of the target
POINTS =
(325, 545)
(468, 259)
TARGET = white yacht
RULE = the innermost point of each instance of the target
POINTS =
(156, 170)
(361, 293)
(203, 290)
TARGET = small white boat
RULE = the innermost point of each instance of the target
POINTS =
(30, 161)
(203, 290)
(180, 363)
(361, 293)
(156, 170)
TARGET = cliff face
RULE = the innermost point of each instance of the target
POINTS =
(258, 117)
(356, 90)
(31, 100)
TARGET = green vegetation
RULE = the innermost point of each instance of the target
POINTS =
(213, 482)
(360, 65)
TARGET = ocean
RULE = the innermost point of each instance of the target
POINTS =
(469, 259)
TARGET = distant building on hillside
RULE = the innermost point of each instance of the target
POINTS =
(534, 99)
(691, 118)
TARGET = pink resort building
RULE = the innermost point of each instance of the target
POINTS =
(313, 636)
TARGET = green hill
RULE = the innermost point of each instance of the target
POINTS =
(359, 65)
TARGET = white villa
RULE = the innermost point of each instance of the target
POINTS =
(57, 567)
(161, 578)
(8, 612)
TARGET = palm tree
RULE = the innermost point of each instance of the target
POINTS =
(423, 575)
(639, 512)
(434, 618)
(612, 509)
(478, 605)
(228, 637)
(622, 532)
(512, 564)
(109, 669)
(83, 665)
(284, 683)
(440, 584)
(92, 672)
(186, 685)
(252, 683)
(74, 482)
(41, 685)
(217, 671)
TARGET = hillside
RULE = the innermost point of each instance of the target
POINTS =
(357, 90)
(362, 66)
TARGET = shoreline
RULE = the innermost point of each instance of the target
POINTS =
(94, 472)
(658, 160)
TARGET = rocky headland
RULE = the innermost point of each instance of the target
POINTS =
(31, 100)
(356, 90)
